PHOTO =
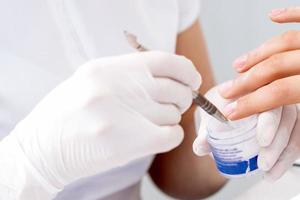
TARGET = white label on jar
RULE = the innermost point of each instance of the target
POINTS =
(235, 158)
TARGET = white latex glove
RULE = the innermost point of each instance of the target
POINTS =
(278, 139)
(110, 112)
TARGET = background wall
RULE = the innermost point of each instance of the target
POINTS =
(231, 29)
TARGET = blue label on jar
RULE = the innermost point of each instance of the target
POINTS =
(236, 168)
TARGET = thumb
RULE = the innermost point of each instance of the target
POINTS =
(168, 138)
(200, 145)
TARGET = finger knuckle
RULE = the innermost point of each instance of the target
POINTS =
(90, 70)
(160, 88)
(176, 137)
(288, 38)
(186, 60)
(271, 69)
(243, 102)
(286, 137)
(257, 74)
(187, 99)
(156, 90)
(246, 105)
(183, 95)
(279, 90)
(177, 115)
(292, 148)
(93, 96)
(275, 61)
(161, 56)
(90, 100)
(100, 129)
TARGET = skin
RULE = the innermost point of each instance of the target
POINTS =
(180, 173)
(270, 74)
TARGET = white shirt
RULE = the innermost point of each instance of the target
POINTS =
(43, 42)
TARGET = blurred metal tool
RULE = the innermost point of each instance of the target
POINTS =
(199, 99)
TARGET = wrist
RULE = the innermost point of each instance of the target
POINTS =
(19, 177)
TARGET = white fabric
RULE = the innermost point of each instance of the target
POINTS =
(42, 43)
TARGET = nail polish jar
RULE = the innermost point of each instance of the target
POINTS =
(234, 146)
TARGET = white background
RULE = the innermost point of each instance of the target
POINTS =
(232, 27)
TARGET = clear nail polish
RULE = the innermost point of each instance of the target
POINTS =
(223, 88)
(277, 12)
(240, 62)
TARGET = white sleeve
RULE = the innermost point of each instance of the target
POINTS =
(188, 13)
(18, 178)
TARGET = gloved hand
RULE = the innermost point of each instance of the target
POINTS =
(279, 141)
(110, 112)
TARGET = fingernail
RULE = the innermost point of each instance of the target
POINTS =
(276, 12)
(240, 62)
(263, 166)
(230, 109)
(223, 88)
(264, 136)
(201, 151)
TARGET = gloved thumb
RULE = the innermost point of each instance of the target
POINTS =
(201, 146)
(168, 137)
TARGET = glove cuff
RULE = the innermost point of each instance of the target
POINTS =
(18, 178)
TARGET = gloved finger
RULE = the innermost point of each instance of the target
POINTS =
(270, 154)
(161, 114)
(156, 112)
(267, 126)
(285, 161)
(171, 92)
(197, 119)
(285, 15)
(281, 92)
(289, 155)
(151, 140)
(172, 66)
(166, 138)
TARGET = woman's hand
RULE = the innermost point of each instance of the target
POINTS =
(269, 75)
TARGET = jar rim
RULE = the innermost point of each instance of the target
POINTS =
(235, 131)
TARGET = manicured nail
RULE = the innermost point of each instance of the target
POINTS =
(223, 88)
(240, 62)
(200, 151)
(263, 166)
(230, 109)
(276, 12)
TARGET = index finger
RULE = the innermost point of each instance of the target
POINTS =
(287, 41)
(275, 67)
(285, 15)
(172, 66)
(280, 92)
